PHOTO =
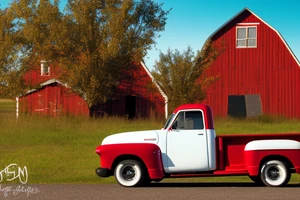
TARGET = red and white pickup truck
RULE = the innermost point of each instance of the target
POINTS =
(187, 146)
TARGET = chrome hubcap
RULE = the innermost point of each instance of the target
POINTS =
(273, 173)
(128, 173)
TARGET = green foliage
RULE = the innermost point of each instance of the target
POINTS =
(29, 29)
(179, 74)
(104, 41)
(93, 41)
(9, 73)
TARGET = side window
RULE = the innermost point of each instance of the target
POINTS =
(188, 120)
(194, 120)
(179, 122)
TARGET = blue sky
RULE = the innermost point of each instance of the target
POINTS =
(190, 22)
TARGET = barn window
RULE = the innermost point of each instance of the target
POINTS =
(246, 37)
(45, 68)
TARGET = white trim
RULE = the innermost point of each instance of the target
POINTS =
(43, 66)
(246, 38)
(17, 107)
(248, 24)
(282, 39)
(53, 81)
(45, 84)
(272, 145)
(159, 89)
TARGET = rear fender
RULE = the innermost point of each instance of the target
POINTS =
(258, 150)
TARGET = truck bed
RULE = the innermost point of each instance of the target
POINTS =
(230, 149)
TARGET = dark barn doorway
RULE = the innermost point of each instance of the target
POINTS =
(248, 105)
(130, 106)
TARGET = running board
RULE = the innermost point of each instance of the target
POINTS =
(213, 173)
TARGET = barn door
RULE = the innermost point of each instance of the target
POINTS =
(130, 108)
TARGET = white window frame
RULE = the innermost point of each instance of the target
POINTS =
(247, 38)
(45, 68)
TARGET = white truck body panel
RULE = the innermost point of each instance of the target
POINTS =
(272, 145)
(132, 137)
(188, 150)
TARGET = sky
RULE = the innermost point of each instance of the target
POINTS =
(191, 22)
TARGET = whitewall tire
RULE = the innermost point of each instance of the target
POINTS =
(129, 173)
(274, 173)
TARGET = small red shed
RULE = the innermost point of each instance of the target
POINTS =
(134, 98)
(256, 60)
(53, 98)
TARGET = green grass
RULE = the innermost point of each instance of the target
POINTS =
(58, 150)
(7, 108)
(262, 124)
(62, 150)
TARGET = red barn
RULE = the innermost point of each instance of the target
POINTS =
(134, 98)
(256, 60)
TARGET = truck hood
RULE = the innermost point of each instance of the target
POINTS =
(132, 137)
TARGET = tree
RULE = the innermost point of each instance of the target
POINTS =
(181, 74)
(9, 71)
(103, 39)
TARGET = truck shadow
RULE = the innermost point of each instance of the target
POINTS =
(223, 184)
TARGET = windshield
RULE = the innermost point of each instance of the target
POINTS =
(169, 121)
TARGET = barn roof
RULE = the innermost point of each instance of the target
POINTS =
(248, 10)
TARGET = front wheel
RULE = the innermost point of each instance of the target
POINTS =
(275, 173)
(129, 173)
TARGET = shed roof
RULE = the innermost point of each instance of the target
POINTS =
(49, 82)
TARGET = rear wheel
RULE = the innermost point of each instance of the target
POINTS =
(274, 173)
(130, 173)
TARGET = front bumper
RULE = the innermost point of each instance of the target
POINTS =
(103, 172)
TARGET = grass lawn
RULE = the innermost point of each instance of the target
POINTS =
(62, 150)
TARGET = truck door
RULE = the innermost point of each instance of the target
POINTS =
(187, 143)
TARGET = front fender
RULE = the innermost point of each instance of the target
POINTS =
(150, 154)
